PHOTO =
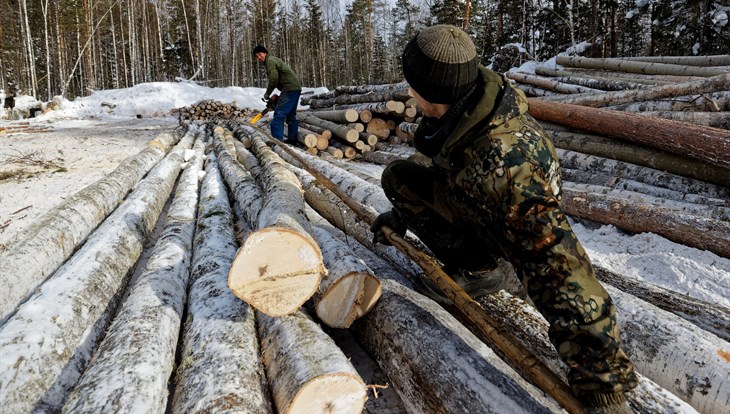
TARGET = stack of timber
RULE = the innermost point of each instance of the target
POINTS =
(210, 110)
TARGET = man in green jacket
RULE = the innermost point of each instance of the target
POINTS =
(485, 184)
(281, 77)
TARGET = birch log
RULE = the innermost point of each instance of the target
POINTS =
(711, 60)
(711, 119)
(707, 316)
(649, 68)
(609, 81)
(46, 244)
(684, 359)
(350, 289)
(549, 84)
(307, 372)
(47, 343)
(394, 95)
(341, 131)
(220, 365)
(279, 265)
(636, 217)
(711, 145)
(342, 115)
(132, 365)
(708, 102)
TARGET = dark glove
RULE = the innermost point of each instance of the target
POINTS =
(390, 219)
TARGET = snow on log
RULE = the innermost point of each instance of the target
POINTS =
(307, 372)
(350, 289)
(132, 365)
(708, 316)
(220, 366)
(649, 68)
(690, 363)
(711, 145)
(46, 244)
(279, 265)
(356, 187)
(597, 100)
(47, 343)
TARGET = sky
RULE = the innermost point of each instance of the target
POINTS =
(648, 257)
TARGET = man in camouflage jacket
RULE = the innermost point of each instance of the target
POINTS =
(485, 184)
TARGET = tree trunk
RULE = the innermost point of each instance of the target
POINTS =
(619, 79)
(46, 244)
(635, 154)
(712, 60)
(348, 151)
(719, 120)
(343, 115)
(350, 290)
(549, 84)
(684, 359)
(340, 131)
(637, 217)
(597, 100)
(394, 95)
(279, 265)
(133, 363)
(712, 102)
(706, 316)
(600, 84)
(73, 307)
(307, 372)
(378, 127)
(648, 68)
(705, 144)
(220, 362)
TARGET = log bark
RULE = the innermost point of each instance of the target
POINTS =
(600, 84)
(711, 102)
(687, 361)
(648, 68)
(706, 316)
(340, 131)
(549, 84)
(362, 170)
(279, 266)
(597, 100)
(350, 290)
(534, 91)
(711, 60)
(636, 154)
(342, 115)
(610, 78)
(220, 364)
(711, 119)
(705, 144)
(307, 372)
(360, 89)
(71, 309)
(380, 157)
(394, 95)
(383, 108)
(358, 126)
(335, 152)
(46, 244)
(132, 365)
(693, 191)
(307, 138)
(636, 217)
(348, 151)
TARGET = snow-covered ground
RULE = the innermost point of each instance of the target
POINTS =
(89, 137)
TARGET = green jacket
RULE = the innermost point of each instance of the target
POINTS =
(280, 76)
(503, 180)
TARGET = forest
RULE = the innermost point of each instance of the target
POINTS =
(74, 47)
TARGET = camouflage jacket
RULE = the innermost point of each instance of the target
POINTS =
(503, 181)
(280, 76)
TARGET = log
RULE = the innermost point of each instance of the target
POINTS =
(692, 190)
(687, 361)
(336, 152)
(615, 81)
(706, 316)
(712, 102)
(380, 157)
(360, 89)
(358, 126)
(369, 139)
(340, 131)
(597, 100)
(394, 95)
(549, 84)
(279, 266)
(220, 363)
(383, 108)
(132, 365)
(342, 115)
(649, 68)
(636, 217)
(365, 116)
(534, 91)
(378, 127)
(639, 155)
(350, 289)
(323, 132)
(362, 170)
(711, 145)
(711, 119)
(307, 138)
(711, 60)
(348, 151)
(47, 343)
(600, 84)
(307, 372)
(47, 243)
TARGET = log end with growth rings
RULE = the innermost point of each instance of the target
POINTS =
(347, 300)
(339, 393)
(276, 270)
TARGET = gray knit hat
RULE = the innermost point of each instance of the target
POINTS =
(440, 63)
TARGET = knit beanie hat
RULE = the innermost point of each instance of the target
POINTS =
(259, 49)
(440, 63)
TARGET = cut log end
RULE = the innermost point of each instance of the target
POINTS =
(334, 393)
(276, 271)
(347, 300)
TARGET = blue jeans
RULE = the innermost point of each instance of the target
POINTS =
(286, 108)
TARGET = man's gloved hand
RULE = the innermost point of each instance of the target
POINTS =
(390, 219)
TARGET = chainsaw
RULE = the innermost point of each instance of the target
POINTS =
(270, 106)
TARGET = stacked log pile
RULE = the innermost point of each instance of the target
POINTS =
(210, 110)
